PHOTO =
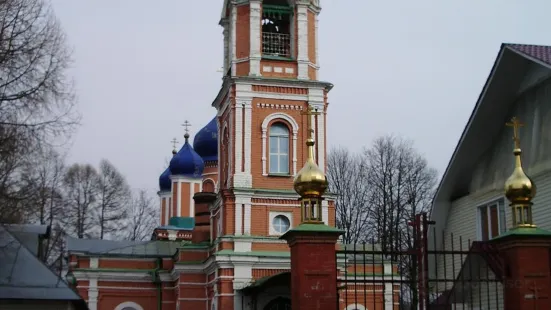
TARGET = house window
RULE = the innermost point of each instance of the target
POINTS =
(276, 28)
(491, 220)
(279, 149)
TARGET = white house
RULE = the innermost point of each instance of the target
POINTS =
(470, 200)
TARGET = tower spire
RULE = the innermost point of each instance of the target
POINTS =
(310, 182)
(519, 188)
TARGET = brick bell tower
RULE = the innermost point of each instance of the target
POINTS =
(271, 68)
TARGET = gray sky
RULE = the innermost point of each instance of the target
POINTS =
(413, 68)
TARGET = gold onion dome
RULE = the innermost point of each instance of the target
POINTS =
(519, 188)
(310, 180)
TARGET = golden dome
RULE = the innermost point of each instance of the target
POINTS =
(310, 180)
(519, 188)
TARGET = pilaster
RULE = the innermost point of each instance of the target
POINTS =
(233, 41)
(255, 37)
(302, 30)
(93, 294)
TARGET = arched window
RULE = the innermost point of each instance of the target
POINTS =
(279, 303)
(208, 186)
(279, 149)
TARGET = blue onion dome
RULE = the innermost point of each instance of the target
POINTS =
(187, 162)
(206, 141)
(164, 181)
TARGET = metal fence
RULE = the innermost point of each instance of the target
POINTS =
(410, 274)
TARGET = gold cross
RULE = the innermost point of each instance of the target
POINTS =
(516, 124)
(186, 125)
(174, 143)
(309, 112)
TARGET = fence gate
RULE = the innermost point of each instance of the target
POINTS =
(407, 273)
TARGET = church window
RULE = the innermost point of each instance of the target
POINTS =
(276, 28)
(491, 220)
(279, 149)
(280, 222)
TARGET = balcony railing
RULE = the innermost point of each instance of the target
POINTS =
(276, 44)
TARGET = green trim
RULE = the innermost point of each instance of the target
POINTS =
(305, 227)
(114, 270)
(204, 246)
(279, 254)
(270, 57)
(312, 229)
(249, 237)
(525, 232)
(279, 175)
(271, 8)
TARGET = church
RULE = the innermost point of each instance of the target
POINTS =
(227, 196)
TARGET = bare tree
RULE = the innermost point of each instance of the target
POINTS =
(346, 174)
(81, 194)
(36, 97)
(401, 185)
(113, 197)
(143, 216)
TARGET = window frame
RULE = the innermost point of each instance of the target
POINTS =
(279, 154)
(485, 208)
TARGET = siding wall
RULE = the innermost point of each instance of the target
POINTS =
(533, 108)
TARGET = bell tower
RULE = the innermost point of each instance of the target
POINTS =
(270, 93)
(271, 38)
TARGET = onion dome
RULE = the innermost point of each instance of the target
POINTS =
(164, 181)
(205, 142)
(519, 188)
(187, 162)
(310, 181)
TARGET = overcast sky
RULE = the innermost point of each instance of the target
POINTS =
(412, 68)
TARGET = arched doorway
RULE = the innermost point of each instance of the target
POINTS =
(129, 305)
(279, 303)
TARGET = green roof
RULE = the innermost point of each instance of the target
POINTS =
(525, 231)
(182, 222)
(313, 229)
(149, 249)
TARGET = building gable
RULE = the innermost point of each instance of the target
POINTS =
(517, 68)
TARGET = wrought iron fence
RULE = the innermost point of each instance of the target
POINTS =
(413, 274)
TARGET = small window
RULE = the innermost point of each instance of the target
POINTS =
(279, 149)
(281, 224)
(491, 220)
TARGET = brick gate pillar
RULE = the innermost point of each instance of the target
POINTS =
(526, 275)
(313, 266)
